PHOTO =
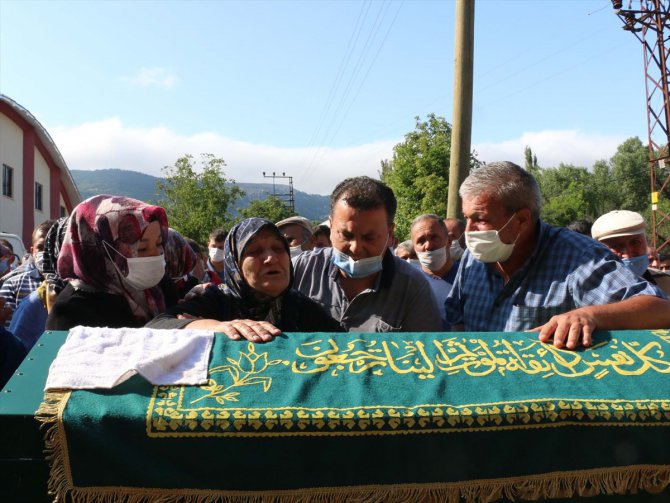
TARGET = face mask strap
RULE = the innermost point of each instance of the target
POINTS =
(106, 245)
(507, 223)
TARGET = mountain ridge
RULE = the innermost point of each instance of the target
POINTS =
(141, 186)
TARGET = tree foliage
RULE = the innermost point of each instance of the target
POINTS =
(197, 198)
(570, 193)
(567, 194)
(630, 175)
(271, 208)
(419, 172)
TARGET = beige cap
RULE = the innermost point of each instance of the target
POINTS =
(618, 223)
(301, 221)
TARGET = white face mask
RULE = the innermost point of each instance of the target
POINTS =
(216, 254)
(295, 250)
(433, 260)
(487, 246)
(143, 272)
(413, 261)
(456, 250)
(361, 268)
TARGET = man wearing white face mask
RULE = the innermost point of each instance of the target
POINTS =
(431, 242)
(298, 232)
(215, 247)
(521, 274)
(358, 280)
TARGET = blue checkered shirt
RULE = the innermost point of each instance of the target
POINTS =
(567, 270)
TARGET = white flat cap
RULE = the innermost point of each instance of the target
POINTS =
(618, 223)
(301, 221)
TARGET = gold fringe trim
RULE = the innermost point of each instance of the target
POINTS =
(565, 484)
(50, 416)
(620, 480)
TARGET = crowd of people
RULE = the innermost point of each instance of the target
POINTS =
(114, 262)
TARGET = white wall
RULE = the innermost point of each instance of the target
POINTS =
(11, 153)
(41, 176)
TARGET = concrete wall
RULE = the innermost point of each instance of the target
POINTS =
(11, 154)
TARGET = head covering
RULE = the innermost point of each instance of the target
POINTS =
(52, 244)
(179, 256)
(617, 223)
(108, 228)
(252, 303)
(296, 220)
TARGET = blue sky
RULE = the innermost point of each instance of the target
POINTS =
(320, 90)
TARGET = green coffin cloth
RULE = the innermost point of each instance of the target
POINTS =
(397, 416)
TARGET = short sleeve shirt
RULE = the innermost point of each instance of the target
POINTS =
(401, 300)
(566, 271)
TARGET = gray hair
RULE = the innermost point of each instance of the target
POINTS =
(433, 217)
(509, 184)
(406, 245)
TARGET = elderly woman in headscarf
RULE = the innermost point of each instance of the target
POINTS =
(255, 301)
(112, 261)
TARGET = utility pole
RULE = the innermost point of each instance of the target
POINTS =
(461, 132)
(289, 199)
(648, 24)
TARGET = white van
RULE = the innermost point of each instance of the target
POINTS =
(17, 244)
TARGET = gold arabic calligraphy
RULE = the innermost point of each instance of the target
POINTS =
(477, 357)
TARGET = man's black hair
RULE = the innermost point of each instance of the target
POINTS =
(365, 193)
(218, 234)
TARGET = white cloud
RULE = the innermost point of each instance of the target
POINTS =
(110, 144)
(147, 77)
(552, 148)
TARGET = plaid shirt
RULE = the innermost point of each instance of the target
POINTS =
(567, 270)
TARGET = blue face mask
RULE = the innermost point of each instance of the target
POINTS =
(4, 267)
(357, 268)
(637, 264)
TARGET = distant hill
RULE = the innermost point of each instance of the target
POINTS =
(143, 187)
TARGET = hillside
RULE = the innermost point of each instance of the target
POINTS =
(143, 187)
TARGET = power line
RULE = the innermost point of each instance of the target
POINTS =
(347, 99)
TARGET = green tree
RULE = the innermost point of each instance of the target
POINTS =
(531, 162)
(630, 175)
(419, 172)
(567, 193)
(271, 208)
(197, 200)
(606, 197)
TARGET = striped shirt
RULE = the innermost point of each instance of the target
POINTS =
(19, 286)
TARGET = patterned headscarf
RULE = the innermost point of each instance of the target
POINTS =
(252, 303)
(108, 228)
(52, 244)
(179, 256)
